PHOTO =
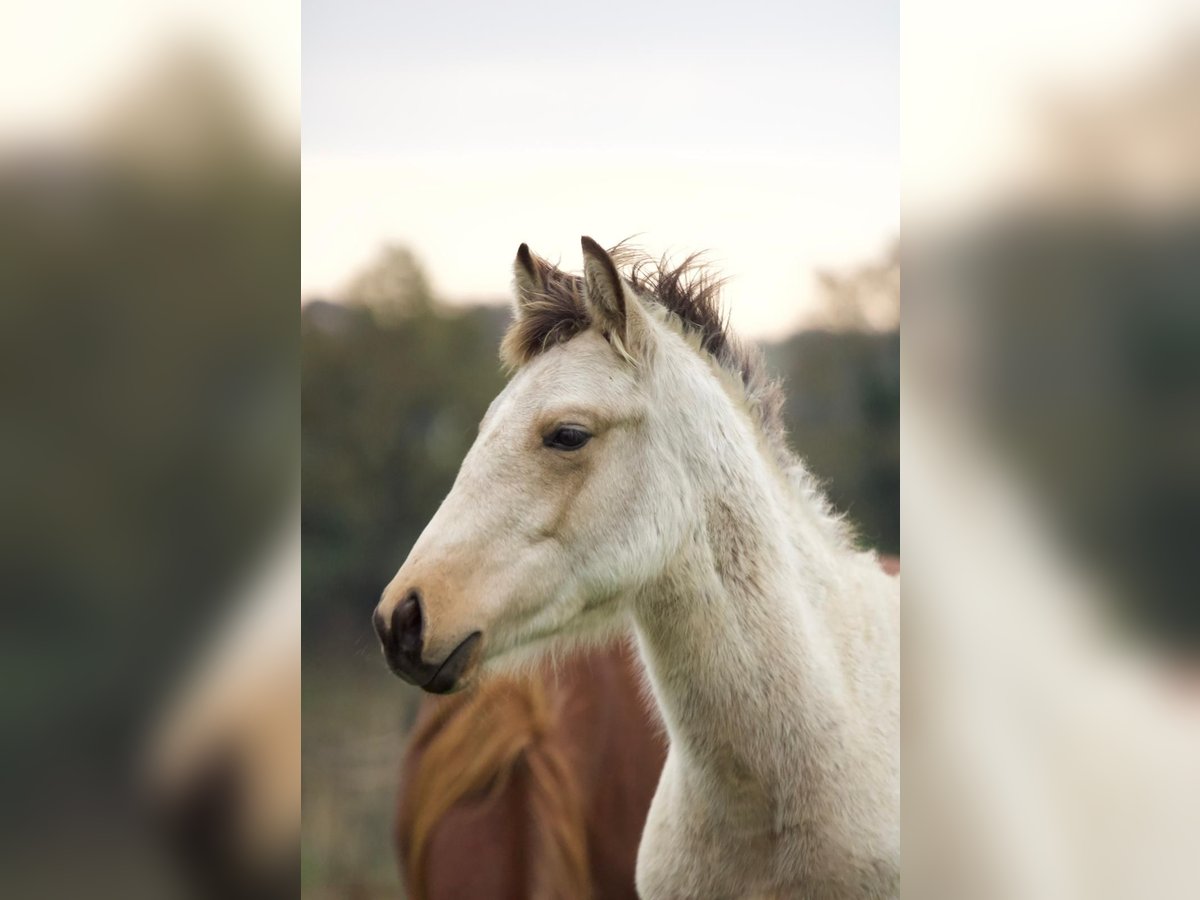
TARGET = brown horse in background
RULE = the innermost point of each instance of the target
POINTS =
(535, 788)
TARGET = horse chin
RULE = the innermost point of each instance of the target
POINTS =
(517, 656)
(457, 671)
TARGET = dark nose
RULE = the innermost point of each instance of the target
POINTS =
(402, 635)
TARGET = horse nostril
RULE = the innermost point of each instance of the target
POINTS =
(408, 625)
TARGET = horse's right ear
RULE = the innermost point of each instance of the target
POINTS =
(528, 277)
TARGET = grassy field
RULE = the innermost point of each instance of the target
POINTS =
(356, 718)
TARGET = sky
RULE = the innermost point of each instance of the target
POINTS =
(764, 133)
(61, 64)
(980, 85)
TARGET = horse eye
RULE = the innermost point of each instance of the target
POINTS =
(568, 437)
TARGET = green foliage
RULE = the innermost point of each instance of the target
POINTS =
(843, 418)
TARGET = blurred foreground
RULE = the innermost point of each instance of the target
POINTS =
(1051, 468)
(149, 346)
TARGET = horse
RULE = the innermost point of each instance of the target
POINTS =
(634, 471)
(533, 787)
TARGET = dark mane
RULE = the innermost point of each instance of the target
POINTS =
(687, 292)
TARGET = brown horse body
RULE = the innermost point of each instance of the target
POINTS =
(537, 788)
(532, 789)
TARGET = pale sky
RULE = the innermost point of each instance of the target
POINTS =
(62, 63)
(766, 133)
(976, 81)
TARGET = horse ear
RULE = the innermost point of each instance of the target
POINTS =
(604, 291)
(528, 277)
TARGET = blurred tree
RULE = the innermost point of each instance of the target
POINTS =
(864, 297)
(843, 418)
(1086, 341)
(392, 286)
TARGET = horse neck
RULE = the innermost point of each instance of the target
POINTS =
(742, 635)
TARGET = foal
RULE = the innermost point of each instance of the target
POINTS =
(635, 469)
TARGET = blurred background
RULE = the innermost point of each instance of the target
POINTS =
(1050, 458)
(149, 194)
(437, 140)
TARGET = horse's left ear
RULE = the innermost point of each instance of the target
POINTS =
(609, 302)
(528, 277)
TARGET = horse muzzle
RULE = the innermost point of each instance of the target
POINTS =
(402, 635)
